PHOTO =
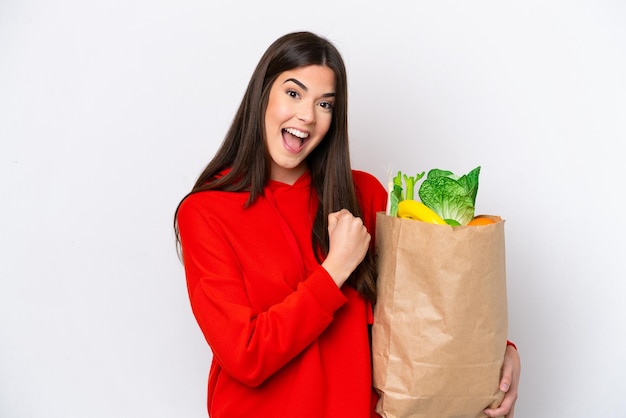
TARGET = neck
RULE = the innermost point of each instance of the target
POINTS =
(287, 176)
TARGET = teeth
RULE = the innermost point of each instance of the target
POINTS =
(295, 132)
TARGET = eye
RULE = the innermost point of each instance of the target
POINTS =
(327, 105)
(292, 93)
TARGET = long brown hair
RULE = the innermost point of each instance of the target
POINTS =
(244, 151)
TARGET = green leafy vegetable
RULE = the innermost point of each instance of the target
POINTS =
(451, 196)
(395, 195)
(410, 185)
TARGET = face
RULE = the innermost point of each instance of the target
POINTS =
(299, 113)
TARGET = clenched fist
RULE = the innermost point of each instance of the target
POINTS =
(348, 244)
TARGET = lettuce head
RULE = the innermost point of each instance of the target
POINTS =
(451, 196)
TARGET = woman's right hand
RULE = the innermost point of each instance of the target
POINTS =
(348, 244)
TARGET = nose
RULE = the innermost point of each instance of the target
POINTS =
(306, 113)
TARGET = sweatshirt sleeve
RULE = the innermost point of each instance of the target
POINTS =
(250, 346)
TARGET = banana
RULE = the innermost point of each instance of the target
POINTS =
(413, 209)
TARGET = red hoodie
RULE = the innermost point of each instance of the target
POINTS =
(286, 342)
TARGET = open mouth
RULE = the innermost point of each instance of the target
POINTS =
(294, 139)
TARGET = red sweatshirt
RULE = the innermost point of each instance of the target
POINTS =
(286, 342)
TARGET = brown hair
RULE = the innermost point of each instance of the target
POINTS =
(245, 154)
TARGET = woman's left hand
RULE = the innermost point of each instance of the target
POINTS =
(509, 384)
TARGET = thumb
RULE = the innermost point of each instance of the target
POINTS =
(333, 218)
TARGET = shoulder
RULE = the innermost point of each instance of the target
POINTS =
(212, 203)
(368, 186)
(371, 194)
(364, 178)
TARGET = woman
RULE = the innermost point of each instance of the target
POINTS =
(277, 253)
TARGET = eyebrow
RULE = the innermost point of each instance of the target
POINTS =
(305, 88)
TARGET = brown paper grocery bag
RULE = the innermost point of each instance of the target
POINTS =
(440, 321)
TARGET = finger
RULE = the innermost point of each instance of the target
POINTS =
(504, 409)
(342, 212)
(508, 369)
(507, 377)
(333, 218)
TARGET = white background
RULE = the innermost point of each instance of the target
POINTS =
(110, 109)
